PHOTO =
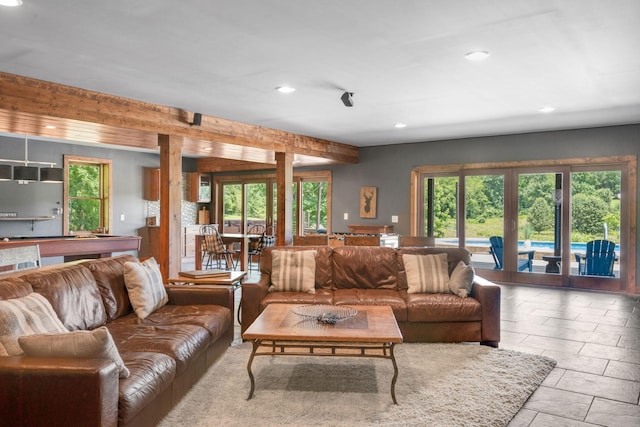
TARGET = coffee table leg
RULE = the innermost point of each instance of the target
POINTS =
(256, 344)
(395, 374)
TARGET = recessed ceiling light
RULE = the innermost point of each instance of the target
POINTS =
(285, 89)
(546, 109)
(50, 127)
(477, 55)
(10, 2)
(400, 125)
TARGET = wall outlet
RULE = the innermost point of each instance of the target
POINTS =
(394, 219)
(346, 216)
(122, 217)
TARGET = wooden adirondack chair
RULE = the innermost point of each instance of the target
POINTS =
(599, 259)
(497, 251)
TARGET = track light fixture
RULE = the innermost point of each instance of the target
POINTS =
(197, 119)
(347, 99)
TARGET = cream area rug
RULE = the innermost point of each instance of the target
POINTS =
(438, 385)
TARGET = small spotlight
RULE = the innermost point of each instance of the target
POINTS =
(197, 119)
(285, 89)
(347, 99)
(477, 55)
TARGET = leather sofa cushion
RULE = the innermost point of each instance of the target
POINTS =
(14, 287)
(73, 294)
(182, 342)
(109, 275)
(324, 276)
(441, 308)
(373, 297)
(322, 296)
(364, 267)
(151, 374)
(454, 255)
(215, 319)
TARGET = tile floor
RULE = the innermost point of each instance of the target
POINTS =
(594, 337)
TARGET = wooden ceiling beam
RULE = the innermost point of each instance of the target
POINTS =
(37, 98)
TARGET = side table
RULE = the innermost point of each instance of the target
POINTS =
(553, 263)
(235, 280)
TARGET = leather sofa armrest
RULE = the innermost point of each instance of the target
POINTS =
(252, 294)
(58, 391)
(201, 294)
(488, 294)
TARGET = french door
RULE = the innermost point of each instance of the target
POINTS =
(532, 223)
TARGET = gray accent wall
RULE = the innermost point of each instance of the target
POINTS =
(389, 167)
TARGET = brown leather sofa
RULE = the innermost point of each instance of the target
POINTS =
(367, 275)
(166, 352)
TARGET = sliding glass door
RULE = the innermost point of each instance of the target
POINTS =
(563, 224)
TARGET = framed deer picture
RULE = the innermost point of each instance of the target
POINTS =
(368, 200)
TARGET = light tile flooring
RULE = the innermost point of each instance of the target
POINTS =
(594, 337)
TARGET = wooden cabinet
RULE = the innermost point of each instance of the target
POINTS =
(151, 184)
(200, 188)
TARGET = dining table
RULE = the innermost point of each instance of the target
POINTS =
(228, 238)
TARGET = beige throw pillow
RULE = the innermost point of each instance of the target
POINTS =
(96, 344)
(145, 287)
(28, 315)
(427, 273)
(293, 271)
(461, 279)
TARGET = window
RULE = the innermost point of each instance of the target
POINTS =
(87, 195)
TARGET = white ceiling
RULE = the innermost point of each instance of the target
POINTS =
(404, 60)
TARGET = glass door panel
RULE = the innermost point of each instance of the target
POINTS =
(539, 223)
(595, 220)
(231, 208)
(314, 206)
(256, 212)
(484, 218)
(441, 210)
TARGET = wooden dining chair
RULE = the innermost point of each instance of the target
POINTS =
(311, 240)
(354, 240)
(416, 241)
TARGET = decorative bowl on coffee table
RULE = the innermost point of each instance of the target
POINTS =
(327, 314)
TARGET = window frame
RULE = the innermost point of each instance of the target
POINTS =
(106, 192)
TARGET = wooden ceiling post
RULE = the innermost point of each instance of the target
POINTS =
(170, 204)
(284, 206)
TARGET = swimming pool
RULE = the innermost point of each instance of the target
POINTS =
(543, 246)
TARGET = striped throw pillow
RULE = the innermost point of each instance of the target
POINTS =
(427, 273)
(144, 285)
(28, 315)
(293, 271)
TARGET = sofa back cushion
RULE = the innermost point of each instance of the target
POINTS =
(14, 287)
(323, 274)
(109, 276)
(454, 255)
(364, 267)
(73, 294)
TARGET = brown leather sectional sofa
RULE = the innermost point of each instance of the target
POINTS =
(369, 275)
(166, 352)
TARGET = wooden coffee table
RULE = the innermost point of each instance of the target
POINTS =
(373, 332)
